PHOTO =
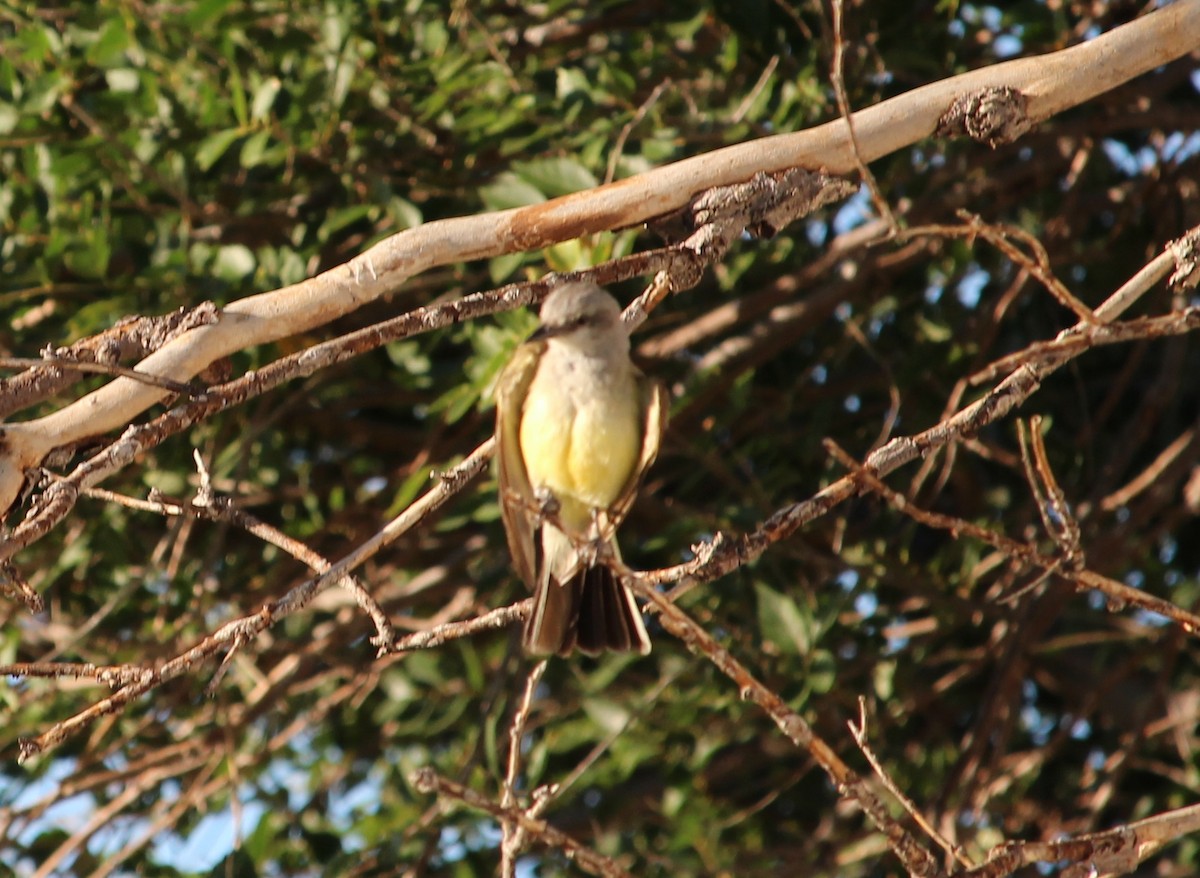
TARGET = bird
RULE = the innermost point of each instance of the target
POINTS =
(577, 426)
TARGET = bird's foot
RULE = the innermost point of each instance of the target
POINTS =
(548, 505)
(598, 550)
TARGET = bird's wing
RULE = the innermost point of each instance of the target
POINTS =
(656, 406)
(515, 491)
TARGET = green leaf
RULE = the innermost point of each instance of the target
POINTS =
(821, 673)
(782, 621)
(234, 262)
(236, 864)
(204, 13)
(509, 190)
(91, 259)
(254, 150)
(569, 255)
(607, 714)
(264, 98)
(408, 490)
(122, 80)
(571, 81)
(884, 679)
(211, 148)
(938, 333)
(501, 268)
(110, 45)
(340, 219)
(404, 213)
(556, 176)
(44, 92)
(32, 44)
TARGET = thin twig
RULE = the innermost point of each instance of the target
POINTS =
(1038, 266)
(1056, 513)
(627, 128)
(501, 617)
(1152, 473)
(602, 746)
(860, 737)
(843, 102)
(210, 506)
(426, 780)
(513, 840)
(109, 675)
(1084, 337)
(13, 584)
(751, 96)
(68, 365)
(128, 339)
(1119, 595)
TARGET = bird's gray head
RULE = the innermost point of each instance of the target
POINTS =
(583, 313)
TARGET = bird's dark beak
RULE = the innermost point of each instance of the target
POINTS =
(546, 331)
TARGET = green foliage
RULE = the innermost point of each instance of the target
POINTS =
(154, 156)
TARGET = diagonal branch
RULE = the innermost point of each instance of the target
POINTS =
(426, 780)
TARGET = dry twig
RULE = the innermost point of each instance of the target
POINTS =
(428, 781)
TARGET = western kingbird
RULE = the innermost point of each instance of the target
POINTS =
(579, 424)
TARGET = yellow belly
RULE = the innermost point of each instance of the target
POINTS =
(581, 450)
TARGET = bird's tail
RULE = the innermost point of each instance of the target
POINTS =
(591, 611)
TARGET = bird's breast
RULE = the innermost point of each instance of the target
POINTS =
(581, 432)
